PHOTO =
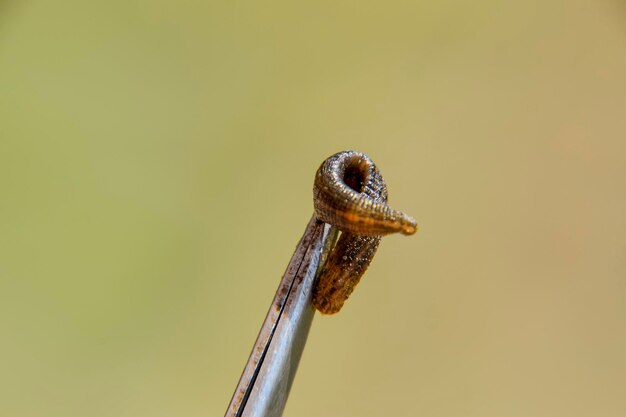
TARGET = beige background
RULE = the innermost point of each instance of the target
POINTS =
(156, 165)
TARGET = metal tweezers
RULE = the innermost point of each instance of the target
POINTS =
(264, 385)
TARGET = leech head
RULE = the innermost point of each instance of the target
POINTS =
(350, 194)
(409, 225)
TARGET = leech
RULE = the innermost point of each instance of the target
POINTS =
(350, 194)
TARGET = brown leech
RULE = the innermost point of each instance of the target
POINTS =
(350, 194)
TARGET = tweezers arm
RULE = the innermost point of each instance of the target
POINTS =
(264, 385)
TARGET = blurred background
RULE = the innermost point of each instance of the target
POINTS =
(156, 171)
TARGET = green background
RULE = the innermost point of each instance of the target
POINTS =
(156, 169)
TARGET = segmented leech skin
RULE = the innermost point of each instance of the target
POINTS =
(350, 194)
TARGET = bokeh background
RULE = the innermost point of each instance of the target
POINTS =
(156, 165)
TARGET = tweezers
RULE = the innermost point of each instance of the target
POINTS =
(264, 385)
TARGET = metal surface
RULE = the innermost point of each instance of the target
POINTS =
(264, 385)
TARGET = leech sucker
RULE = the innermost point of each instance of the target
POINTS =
(350, 194)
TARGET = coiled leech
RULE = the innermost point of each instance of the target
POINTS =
(350, 194)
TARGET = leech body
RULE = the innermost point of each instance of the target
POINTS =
(350, 194)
